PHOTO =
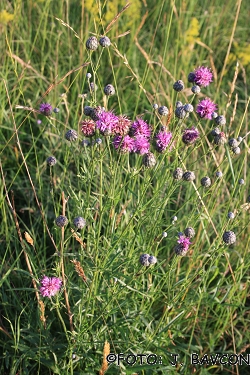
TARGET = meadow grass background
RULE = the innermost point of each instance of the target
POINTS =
(195, 304)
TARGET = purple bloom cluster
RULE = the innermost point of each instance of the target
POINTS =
(140, 127)
(203, 76)
(46, 109)
(50, 286)
(206, 108)
(106, 122)
(183, 245)
(123, 144)
(163, 139)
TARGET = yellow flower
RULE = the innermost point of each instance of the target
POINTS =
(5, 17)
(192, 33)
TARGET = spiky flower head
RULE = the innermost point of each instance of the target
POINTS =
(162, 140)
(79, 222)
(61, 221)
(188, 176)
(51, 161)
(46, 109)
(190, 135)
(140, 127)
(183, 245)
(188, 107)
(220, 120)
(180, 112)
(152, 260)
(229, 237)
(206, 181)
(205, 108)
(141, 145)
(88, 127)
(178, 85)
(109, 90)
(123, 144)
(203, 76)
(50, 286)
(104, 41)
(189, 232)
(92, 43)
(178, 173)
(236, 150)
(123, 125)
(106, 122)
(144, 260)
(196, 89)
(71, 135)
(233, 143)
(149, 160)
(163, 110)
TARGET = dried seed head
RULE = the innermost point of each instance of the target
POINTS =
(180, 250)
(220, 139)
(241, 181)
(196, 89)
(188, 108)
(178, 173)
(229, 237)
(152, 259)
(233, 143)
(104, 41)
(109, 90)
(92, 43)
(61, 221)
(163, 110)
(51, 160)
(144, 260)
(178, 104)
(155, 106)
(220, 120)
(206, 181)
(230, 215)
(79, 222)
(215, 131)
(149, 160)
(87, 110)
(189, 232)
(236, 150)
(71, 135)
(191, 77)
(188, 176)
(178, 85)
(181, 113)
(219, 174)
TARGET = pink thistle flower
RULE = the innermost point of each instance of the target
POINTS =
(88, 127)
(141, 145)
(123, 126)
(203, 76)
(140, 127)
(184, 242)
(163, 139)
(50, 286)
(106, 122)
(206, 108)
(46, 109)
(123, 144)
(190, 135)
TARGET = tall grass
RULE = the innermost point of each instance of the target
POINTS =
(109, 302)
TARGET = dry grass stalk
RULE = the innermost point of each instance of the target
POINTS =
(42, 310)
(124, 206)
(106, 351)
(29, 238)
(79, 269)
(78, 239)
(116, 18)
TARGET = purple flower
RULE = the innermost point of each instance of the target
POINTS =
(106, 122)
(203, 76)
(205, 108)
(46, 109)
(184, 242)
(123, 144)
(50, 286)
(163, 139)
(141, 145)
(190, 135)
(140, 127)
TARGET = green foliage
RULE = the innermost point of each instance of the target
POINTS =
(181, 305)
